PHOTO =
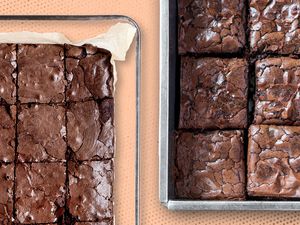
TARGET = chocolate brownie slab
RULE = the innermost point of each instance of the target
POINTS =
(213, 93)
(274, 161)
(211, 26)
(210, 165)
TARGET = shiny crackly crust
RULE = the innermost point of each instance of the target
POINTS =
(211, 26)
(277, 91)
(7, 133)
(274, 26)
(90, 128)
(8, 73)
(6, 190)
(210, 165)
(40, 192)
(274, 161)
(91, 181)
(89, 73)
(41, 133)
(213, 93)
(41, 73)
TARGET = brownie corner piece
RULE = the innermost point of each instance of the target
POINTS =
(90, 128)
(277, 97)
(7, 133)
(6, 190)
(41, 133)
(41, 75)
(40, 192)
(210, 165)
(89, 73)
(214, 93)
(273, 27)
(8, 73)
(274, 161)
(211, 26)
(90, 187)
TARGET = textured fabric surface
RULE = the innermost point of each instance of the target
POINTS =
(145, 12)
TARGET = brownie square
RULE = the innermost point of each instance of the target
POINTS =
(41, 73)
(90, 187)
(41, 133)
(211, 26)
(274, 161)
(6, 193)
(89, 73)
(8, 73)
(7, 133)
(274, 26)
(213, 93)
(210, 165)
(277, 91)
(40, 192)
(91, 129)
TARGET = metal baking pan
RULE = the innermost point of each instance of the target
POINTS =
(168, 115)
(125, 19)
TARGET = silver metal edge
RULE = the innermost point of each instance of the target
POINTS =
(233, 205)
(138, 80)
(164, 103)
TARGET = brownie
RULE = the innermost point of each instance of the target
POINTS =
(41, 73)
(8, 73)
(91, 129)
(7, 133)
(210, 165)
(274, 161)
(213, 93)
(277, 91)
(6, 193)
(90, 187)
(211, 26)
(40, 192)
(41, 133)
(274, 26)
(89, 73)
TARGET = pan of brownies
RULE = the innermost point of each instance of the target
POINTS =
(229, 105)
(57, 134)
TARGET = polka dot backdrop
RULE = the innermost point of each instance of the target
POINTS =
(146, 13)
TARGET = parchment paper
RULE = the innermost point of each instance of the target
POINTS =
(117, 40)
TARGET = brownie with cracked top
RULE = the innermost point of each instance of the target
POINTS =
(91, 129)
(40, 192)
(7, 133)
(56, 108)
(211, 26)
(6, 190)
(210, 165)
(41, 73)
(90, 187)
(274, 161)
(8, 73)
(277, 98)
(89, 73)
(213, 93)
(274, 26)
(41, 133)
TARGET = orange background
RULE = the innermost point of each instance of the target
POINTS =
(146, 13)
